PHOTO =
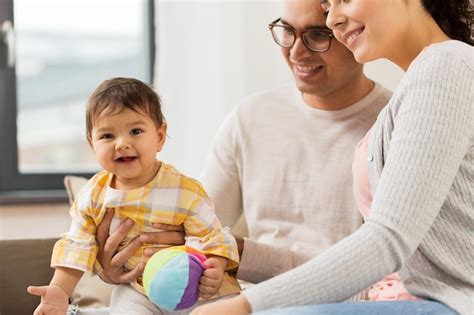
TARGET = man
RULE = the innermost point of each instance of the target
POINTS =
(283, 157)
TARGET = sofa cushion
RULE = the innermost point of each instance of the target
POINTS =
(23, 263)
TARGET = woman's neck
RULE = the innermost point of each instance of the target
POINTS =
(426, 32)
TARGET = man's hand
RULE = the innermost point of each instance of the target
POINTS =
(54, 300)
(211, 279)
(171, 235)
(112, 261)
(238, 305)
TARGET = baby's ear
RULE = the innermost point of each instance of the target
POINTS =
(89, 142)
(161, 131)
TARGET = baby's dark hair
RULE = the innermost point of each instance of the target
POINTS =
(118, 94)
(454, 17)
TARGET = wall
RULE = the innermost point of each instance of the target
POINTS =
(33, 221)
(210, 55)
(384, 72)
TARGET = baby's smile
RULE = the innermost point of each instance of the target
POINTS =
(126, 159)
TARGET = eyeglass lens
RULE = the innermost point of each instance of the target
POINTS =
(315, 40)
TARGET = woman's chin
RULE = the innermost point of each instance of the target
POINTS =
(362, 56)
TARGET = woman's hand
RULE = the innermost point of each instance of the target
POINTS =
(234, 306)
(113, 261)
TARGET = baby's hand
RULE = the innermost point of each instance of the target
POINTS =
(54, 300)
(211, 279)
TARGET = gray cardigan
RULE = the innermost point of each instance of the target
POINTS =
(421, 223)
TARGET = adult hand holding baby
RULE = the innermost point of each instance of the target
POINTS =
(113, 261)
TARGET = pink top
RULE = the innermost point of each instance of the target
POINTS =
(391, 287)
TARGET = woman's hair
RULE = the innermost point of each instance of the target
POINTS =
(117, 94)
(454, 17)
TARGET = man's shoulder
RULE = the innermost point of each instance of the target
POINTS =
(282, 94)
(382, 94)
(377, 99)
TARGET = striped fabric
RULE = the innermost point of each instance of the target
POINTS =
(170, 198)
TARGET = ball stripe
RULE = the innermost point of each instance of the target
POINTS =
(167, 287)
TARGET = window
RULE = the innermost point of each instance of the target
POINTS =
(50, 62)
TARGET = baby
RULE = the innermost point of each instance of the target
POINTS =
(126, 130)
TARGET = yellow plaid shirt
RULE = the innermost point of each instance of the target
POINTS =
(170, 198)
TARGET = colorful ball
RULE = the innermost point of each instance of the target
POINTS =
(171, 277)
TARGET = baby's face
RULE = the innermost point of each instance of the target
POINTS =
(126, 145)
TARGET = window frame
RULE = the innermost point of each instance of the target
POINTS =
(16, 187)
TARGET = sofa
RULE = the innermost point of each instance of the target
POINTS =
(27, 262)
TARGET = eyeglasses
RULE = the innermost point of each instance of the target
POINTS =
(316, 39)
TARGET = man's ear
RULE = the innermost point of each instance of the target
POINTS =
(161, 131)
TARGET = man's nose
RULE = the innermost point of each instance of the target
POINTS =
(299, 51)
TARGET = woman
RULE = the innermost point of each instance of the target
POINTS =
(420, 162)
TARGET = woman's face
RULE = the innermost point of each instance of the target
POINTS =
(371, 29)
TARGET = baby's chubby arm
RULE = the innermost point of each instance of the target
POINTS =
(55, 296)
(212, 277)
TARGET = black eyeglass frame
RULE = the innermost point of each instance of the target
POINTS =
(298, 34)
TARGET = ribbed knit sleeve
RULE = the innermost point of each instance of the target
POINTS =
(426, 180)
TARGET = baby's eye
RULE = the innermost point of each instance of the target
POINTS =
(106, 136)
(136, 131)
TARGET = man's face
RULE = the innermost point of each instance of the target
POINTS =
(319, 74)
